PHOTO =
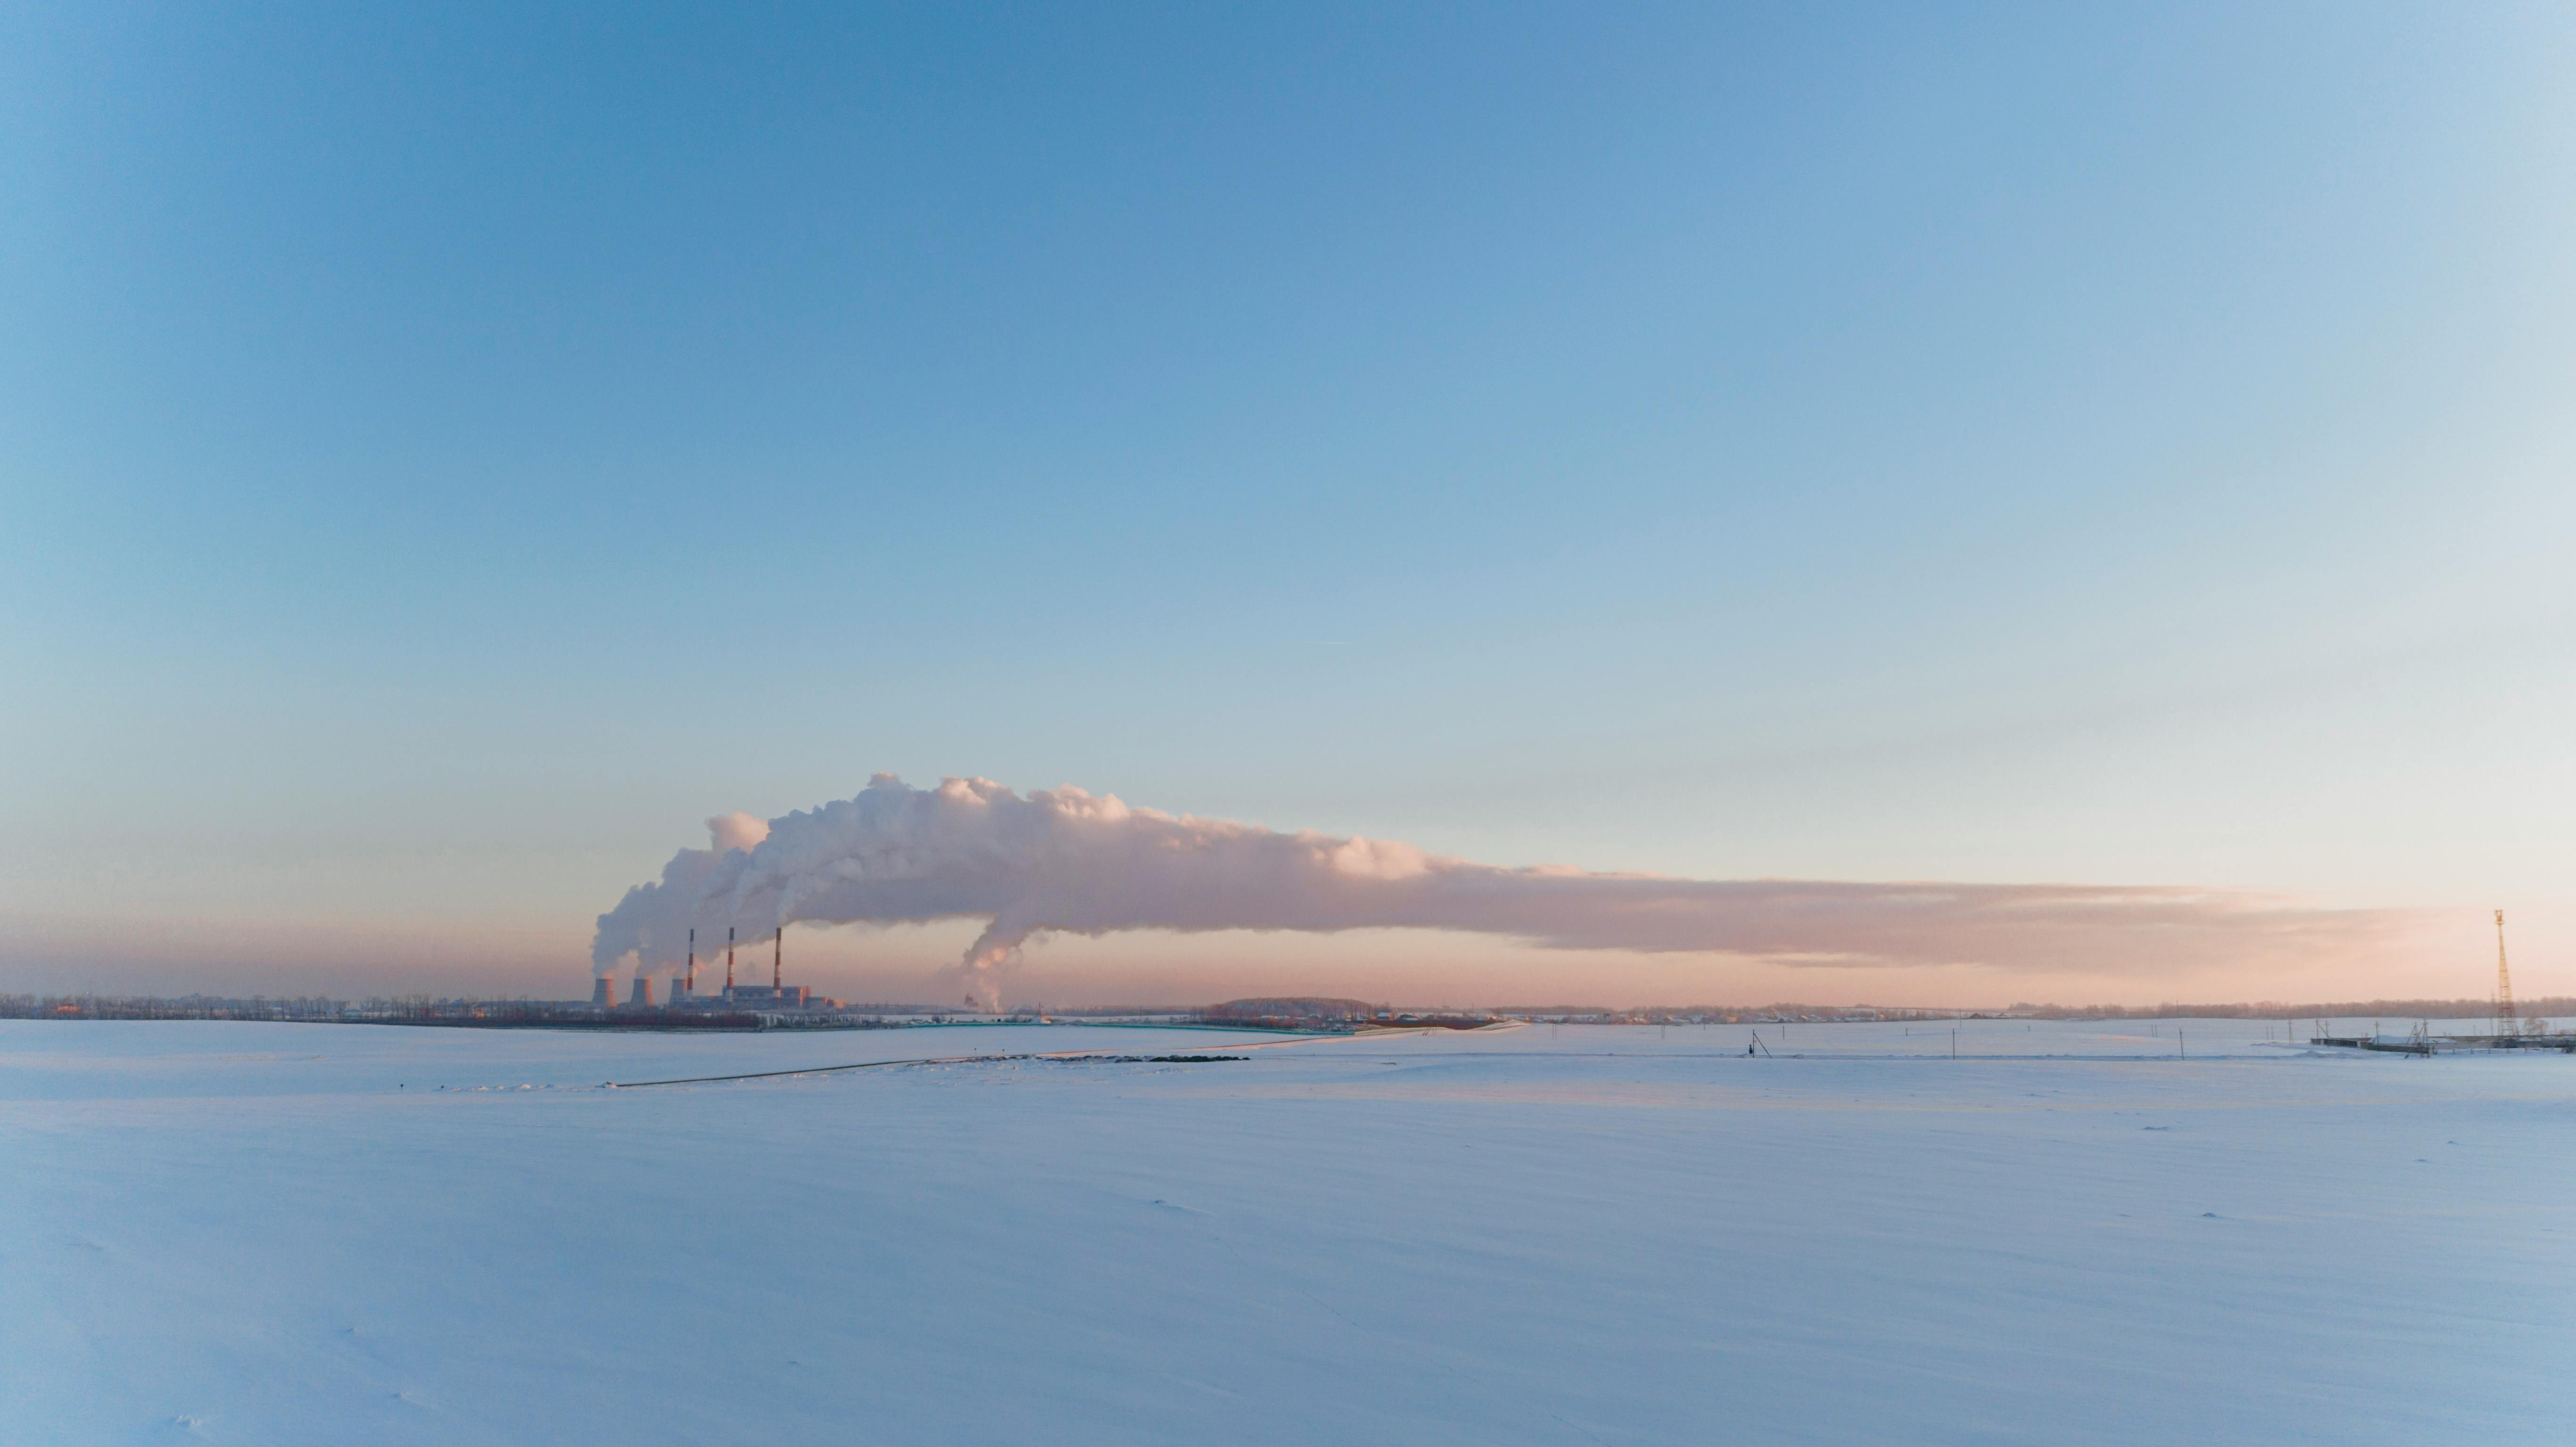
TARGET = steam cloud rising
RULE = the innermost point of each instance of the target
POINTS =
(1066, 860)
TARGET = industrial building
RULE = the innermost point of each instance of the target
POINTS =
(765, 997)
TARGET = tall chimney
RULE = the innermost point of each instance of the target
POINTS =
(777, 947)
(599, 993)
(642, 999)
(728, 960)
(689, 986)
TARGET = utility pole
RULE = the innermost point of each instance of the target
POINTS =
(2504, 983)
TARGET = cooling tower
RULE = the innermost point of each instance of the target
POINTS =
(599, 993)
(642, 999)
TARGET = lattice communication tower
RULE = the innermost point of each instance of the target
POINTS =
(2504, 983)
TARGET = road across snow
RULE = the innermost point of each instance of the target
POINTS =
(284, 1234)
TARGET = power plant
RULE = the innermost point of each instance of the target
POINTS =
(735, 999)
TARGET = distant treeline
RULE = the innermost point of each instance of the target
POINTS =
(2343, 1009)
(2549, 1005)
(187, 1007)
(404, 1010)
(426, 1010)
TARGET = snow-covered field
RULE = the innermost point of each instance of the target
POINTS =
(287, 1234)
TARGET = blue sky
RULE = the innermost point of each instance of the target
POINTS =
(449, 455)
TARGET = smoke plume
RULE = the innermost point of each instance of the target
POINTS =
(1066, 860)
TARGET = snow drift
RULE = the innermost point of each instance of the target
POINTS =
(1067, 860)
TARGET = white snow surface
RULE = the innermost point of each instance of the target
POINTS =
(288, 1234)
